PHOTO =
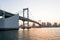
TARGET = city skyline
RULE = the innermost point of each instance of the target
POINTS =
(44, 10)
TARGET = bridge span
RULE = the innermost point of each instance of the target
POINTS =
(26, 19)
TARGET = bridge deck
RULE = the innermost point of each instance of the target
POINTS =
(26, 19)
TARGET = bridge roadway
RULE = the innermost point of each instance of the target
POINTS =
(26, 19)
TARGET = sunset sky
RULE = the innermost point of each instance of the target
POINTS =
(44, 10)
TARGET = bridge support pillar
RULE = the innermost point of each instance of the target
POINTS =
(33, 24)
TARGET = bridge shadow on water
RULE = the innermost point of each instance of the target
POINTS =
(9, 35)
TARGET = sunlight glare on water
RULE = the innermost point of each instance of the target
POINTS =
(40, 34)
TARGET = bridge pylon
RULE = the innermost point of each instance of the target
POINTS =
(27, 16)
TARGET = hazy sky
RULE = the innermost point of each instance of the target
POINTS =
(44, 10)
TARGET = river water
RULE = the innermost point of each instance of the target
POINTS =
(32, 34)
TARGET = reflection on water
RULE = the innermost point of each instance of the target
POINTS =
(24, 35)
(32, 34)
(40, 34)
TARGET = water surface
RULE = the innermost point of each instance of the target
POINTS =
(32, 34)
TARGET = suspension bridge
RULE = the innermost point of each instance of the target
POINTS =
(10, 21)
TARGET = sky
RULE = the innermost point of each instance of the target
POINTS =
(44, 10)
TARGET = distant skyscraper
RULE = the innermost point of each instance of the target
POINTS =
(43, 24)
(48, 24)
(55, 24)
